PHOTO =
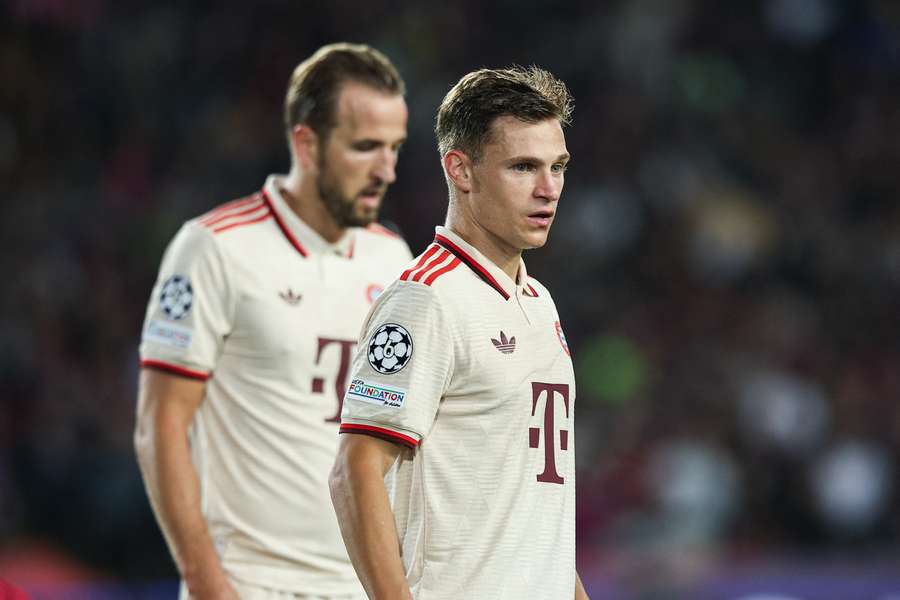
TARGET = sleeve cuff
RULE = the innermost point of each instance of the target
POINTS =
(174, 369)
(380, 432)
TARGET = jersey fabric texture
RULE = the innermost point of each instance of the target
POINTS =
(470, 371)
(252, 300)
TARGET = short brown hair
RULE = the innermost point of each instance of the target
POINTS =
(316, 82)
(468, 110)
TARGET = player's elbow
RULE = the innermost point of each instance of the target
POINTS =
(145, 429)
(143, 440)
(339, 480)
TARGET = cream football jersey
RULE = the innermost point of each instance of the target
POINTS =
(252, 301)
(470, 371)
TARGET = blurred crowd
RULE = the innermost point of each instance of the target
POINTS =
(726, 259)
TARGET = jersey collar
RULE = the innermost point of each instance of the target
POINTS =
(300, 235)
(482, 266)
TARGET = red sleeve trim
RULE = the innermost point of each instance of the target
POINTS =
(177, 370)
(385, 434)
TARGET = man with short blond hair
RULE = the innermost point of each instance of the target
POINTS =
(462, 392)
(248, 338)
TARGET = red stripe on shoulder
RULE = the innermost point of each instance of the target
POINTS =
(445, 269)
(382, 230)
(228, 206)
(379, 432)
(176, 369)
(260, 218)
(534, 293)
(472, 264)
(431, 250)
(235, 213)
(431, 265)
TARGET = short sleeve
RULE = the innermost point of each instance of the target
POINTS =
(402, 366)
(190, 309)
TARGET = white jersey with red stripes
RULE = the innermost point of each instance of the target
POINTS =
(470, 371)
(254, 302)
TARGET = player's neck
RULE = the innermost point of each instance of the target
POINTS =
(303, 198)
(492, 247)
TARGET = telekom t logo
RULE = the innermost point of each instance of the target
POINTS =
(534, 433)
(340, 380)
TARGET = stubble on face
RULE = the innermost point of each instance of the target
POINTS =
(353, 169)
(347, 211)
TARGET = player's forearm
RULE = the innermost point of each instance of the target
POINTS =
(163, 450)
(580, 593)
(367, 525)
(180, 513)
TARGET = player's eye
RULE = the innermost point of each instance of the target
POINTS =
(523, 167)
(559, 168)
(365, 145)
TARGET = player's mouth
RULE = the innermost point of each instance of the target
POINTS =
(541, 218)
(371, 197)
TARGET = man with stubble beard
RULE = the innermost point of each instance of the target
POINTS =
(248, 338)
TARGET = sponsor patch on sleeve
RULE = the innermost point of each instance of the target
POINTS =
(376, 393)
(168, 334)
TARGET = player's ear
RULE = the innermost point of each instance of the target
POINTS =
(458, 167)
(305, 146)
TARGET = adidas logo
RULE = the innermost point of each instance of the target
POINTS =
(290, 297)
(506, 346)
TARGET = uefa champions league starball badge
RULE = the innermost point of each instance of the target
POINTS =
(390, 348)
(176, 297)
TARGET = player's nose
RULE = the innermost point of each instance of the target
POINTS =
(548, 186)
(386, 166)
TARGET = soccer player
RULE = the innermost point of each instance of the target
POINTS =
(456, 478)
(248, 340)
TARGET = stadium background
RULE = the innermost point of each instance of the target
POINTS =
(726, 261)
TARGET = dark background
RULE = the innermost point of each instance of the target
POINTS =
(726, 263)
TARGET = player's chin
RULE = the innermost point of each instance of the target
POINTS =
(534, 239)
(363, 216)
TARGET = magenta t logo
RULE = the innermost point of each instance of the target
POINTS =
(534, 433)
(340, 381)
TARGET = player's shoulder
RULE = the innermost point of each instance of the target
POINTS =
(214, 230)
(241, 214)
(376, 236)
(423, 281)
(436, 269)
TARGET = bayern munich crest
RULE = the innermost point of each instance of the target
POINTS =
(176, 297)
(390, 348)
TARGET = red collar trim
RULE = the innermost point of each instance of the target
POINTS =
(471, 263)
(281, 225)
